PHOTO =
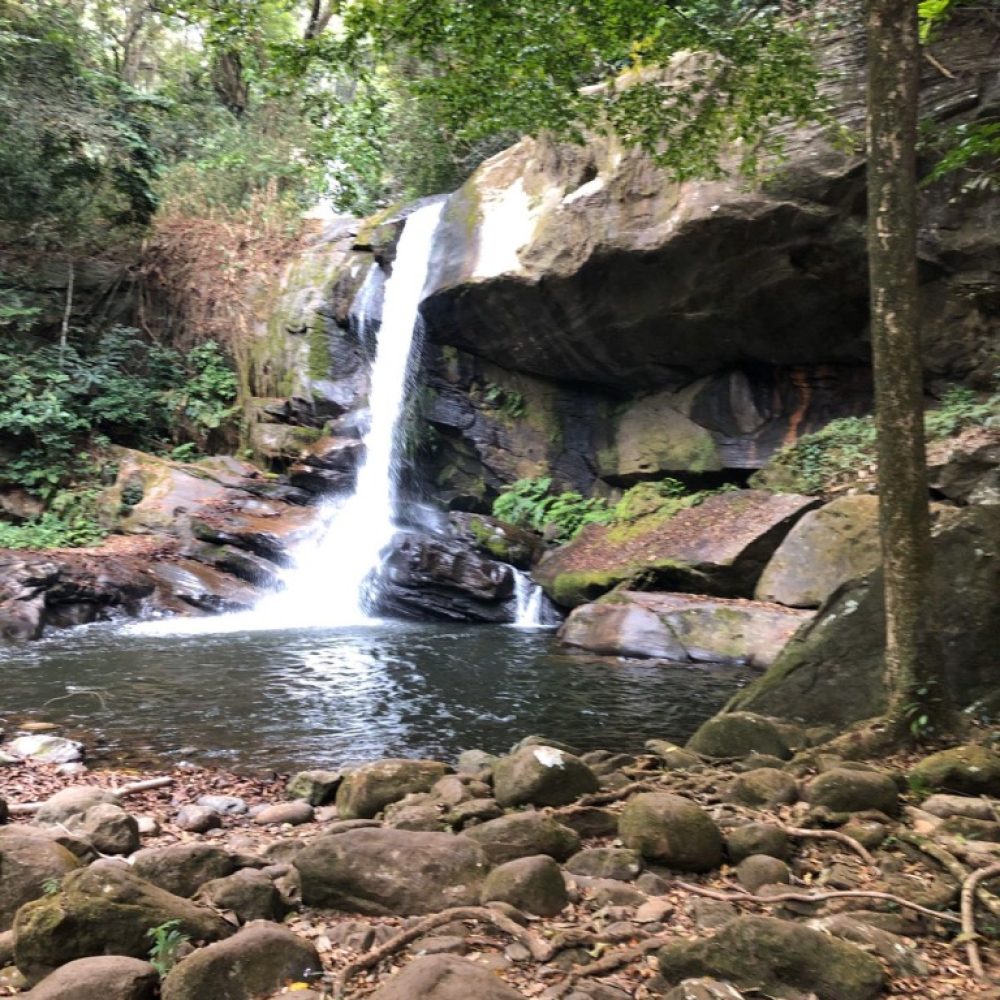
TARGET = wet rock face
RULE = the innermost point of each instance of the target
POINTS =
(442, 578)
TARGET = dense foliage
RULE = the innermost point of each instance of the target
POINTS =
(532, 504)
(60, 411)
(843, 452)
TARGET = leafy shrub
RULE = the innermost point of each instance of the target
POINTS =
(59, 410)
(960, 408)
(845, 448)
(529, 503)
(71, 521)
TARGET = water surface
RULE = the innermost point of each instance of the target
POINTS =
(322, 697)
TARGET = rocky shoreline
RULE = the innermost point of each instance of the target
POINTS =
(748, 863)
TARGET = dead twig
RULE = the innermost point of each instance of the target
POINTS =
(969, 935)
(816, 897)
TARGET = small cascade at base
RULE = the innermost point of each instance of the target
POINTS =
(531, 607)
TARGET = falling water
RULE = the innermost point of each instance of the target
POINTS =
(329, 583)
(529, 602)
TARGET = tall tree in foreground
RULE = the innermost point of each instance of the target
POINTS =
(916, 700)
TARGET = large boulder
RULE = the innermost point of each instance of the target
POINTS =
(30, 863)
(671, 830)
(444, 977)
(832, 671)
(682, 628)
(966, 468)
(368, 789)
(534, 885)
(828, 547)
(439, 578)
(718, 547)
(769, 954)
(541, 776)
(183, 868)
(739, 734)
(844, 789)
(388, 872)
(104, 977)
(261, 958)
(99, 911)
(519, 835)
(969, 770)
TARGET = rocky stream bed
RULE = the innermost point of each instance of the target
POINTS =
(748, 864)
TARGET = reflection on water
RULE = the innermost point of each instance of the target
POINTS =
(285, 699)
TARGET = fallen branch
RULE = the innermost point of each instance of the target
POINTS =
(842, 838)
(27, 808)
(816, 897)
(969, 934)
(541, 950)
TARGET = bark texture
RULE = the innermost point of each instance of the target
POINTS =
(904, 523)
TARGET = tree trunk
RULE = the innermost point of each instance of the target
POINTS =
(915, 695)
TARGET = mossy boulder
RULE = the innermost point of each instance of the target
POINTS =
(775, 955)
(606, 862)
(671, 830)
(739, 734)
(29, 861)
(257, 961)
(103, 977)
(101, 910)
(384, 872)
(764, 786)
(832, 669)
(826, 548)
(519, 835)
(534, 885)
(757, 838)
(844, 789)
(968, 770)
(367, 790)
(543, 776)
(183, 868)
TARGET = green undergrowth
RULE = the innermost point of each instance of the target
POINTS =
(844, 451)
(62, 409)
(532, 504)
(70, 522)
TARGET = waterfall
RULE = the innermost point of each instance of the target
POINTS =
(529, 602)
(329, 582)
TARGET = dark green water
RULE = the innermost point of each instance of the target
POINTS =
(316, 697)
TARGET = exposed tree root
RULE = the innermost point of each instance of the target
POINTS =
(606, 963)
(841, 838)
(971, 939)
(816, 897)
(951, 865)
(541, 950)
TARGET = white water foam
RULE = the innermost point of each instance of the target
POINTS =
(328, 583)
(528, 602)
